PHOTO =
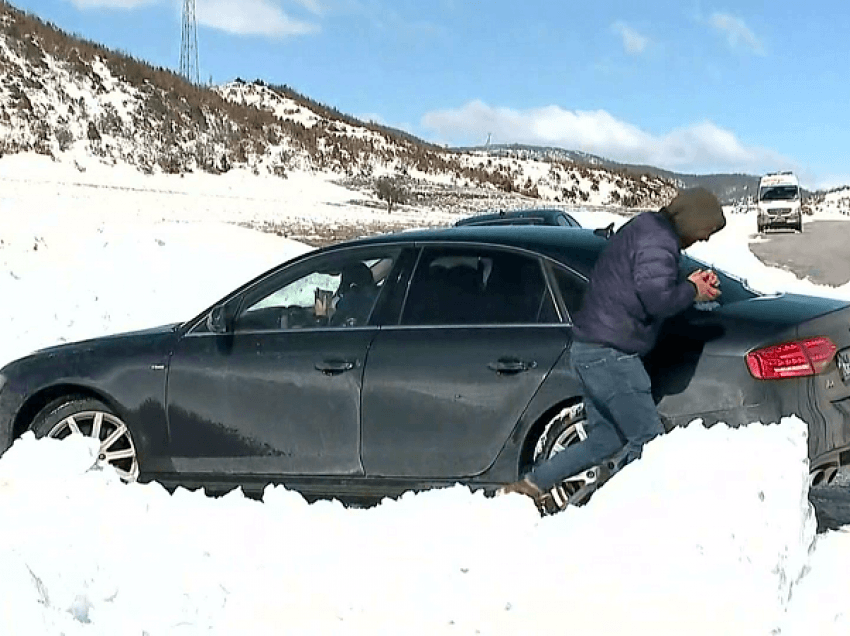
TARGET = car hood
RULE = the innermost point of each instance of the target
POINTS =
(92, 343)
(783, 309)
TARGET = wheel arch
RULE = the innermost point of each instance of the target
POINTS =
(39, 400)
(532, 435)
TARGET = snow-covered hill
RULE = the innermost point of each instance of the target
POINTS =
(836, 201)
(73, 100)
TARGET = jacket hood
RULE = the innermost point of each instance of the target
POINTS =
(695, 212)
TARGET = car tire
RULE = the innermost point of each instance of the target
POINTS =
(564, 429)
(92, 418)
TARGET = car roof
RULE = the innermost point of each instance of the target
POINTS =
(547, 214)
(557, 242)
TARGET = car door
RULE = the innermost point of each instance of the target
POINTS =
(445, 388)
(278, 392)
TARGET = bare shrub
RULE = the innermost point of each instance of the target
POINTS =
(64, 137)
(391, 190)
(92, 132)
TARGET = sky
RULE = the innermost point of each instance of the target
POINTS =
(709, 533)
(694, 87)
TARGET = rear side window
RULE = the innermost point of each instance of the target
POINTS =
(464, 286)
(572, 289)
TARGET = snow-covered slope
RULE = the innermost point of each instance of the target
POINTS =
(835, 201)
(73, 100)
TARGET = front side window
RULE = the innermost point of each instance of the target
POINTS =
(339, 291)
(465, 286)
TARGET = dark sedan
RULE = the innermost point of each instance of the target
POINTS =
(416, 360)
(531, 216)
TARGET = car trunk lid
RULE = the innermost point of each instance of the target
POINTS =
(784, 309)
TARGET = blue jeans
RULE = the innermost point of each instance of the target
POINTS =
(619, 407)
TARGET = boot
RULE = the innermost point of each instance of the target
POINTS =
(541, 498)
(524, 486)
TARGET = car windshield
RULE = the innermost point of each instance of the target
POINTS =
(733, 289)
(779, 193)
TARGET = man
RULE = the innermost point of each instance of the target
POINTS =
(634, 287)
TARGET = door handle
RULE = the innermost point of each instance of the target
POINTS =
(333, 367)
(511, 365)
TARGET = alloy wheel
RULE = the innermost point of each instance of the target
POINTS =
(565, 429)
(116, 443)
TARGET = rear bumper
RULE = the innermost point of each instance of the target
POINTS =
(724, 392)
(829, 430)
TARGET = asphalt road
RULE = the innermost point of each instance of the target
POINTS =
(820, 253)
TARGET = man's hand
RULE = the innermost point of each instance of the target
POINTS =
(707, 285)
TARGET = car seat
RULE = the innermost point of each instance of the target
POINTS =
(357, 293)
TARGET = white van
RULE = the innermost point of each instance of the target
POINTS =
(780, 202)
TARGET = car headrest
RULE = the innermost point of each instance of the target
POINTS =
(357, 275)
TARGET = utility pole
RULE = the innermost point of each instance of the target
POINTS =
(189, 44)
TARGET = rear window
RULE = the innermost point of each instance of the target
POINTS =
(733, 289)
(581, 257)
(567, 221)
(512, 220)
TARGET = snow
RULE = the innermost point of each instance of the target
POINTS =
(837, 201)
(710, 532)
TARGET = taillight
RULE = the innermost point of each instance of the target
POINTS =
(792, 359)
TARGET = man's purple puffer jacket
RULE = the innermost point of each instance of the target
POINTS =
(634, 286)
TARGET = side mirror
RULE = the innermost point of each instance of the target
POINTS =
(605, 232)
(217, 321)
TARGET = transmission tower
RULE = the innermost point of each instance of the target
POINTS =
(189, 44)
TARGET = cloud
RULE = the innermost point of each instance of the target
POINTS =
(700, 147)
(737, 32)
(633, 42)
(814, 181)
(313, 6)
(112, 4)
(239, 17)
(252, 17)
